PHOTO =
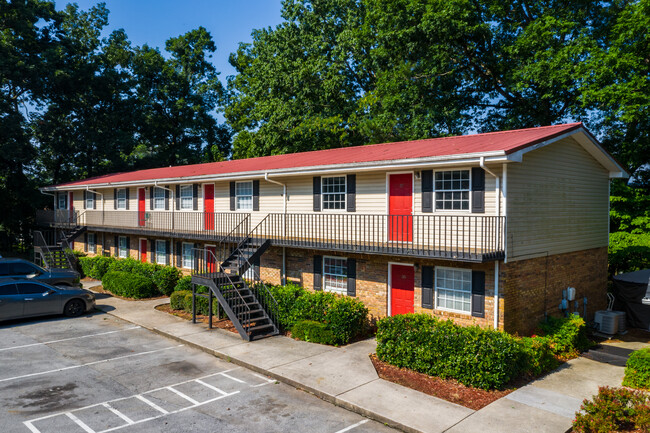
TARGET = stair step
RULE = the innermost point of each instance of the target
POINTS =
(258, 320)
(260, 327)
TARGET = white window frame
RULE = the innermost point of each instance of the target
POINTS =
(461, 190)
(90, 200)
(62, 199)
(187, 201)
(243, 196)
(158, 254)
(121, 201)
(453, 290)
(122, 250)
(323, 193)
(158, 202)
(92, 243)
(190, 256)
(341, 284)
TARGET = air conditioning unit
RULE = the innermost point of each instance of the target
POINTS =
(620, 315)
(607, 322)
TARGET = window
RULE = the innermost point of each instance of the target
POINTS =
(31, 288)
(158, 198)
(8, 289)
(335, 275)
(244, 195)
(161, 252)
(333, 191)
(90, 200)
(62, 201)
(92, 244)
(20, 268)
(187, 197)
(121, 198)
(123, 249)
(452, 190)
(188, 256)
(454, 289)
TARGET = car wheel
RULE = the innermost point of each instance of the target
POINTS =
(74, 308)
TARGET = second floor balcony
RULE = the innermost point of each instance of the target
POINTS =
(453, 237)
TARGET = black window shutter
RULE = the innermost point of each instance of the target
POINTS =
(167, 198)
(478, 190)
(167, 251)
(115, 198)
(127, 198)
(195, 196)
(478, 293)
(128, 244)
(427, 190)
(65, 197)
(351, 189)
(352, 277)
(94, 200)
(85, 198)
(179, 254)
(117, 246)
(152, 250)
(256, 195)
(151, 192)
(232, 195)
(86, 242)
(178, 197)
(318, 272)
(427, 286)
(316, 193)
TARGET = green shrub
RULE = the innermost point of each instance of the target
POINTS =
(637, 370)
(177, 299)
(614, 410)
(129, 285)
(134, 266)
(314, 332)
(86, 265)
(568, 336)
(184, 283)
(474, 356)
(286, 297)
(100, 267)
(166, 278)
(538, 355)
(202, 305)
(346, 317)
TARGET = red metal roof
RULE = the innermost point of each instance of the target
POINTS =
(506, 141)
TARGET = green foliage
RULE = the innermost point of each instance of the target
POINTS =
(129, 285)
(166, 278)
(538, 356)
(614, 410)
(184, 283)
(286, 297)
(95, 267)
(628, 252)
(474, 356)
(314, 332)
(128, 264)
(567, 336)
(202, 305)
(177, 299)
(637, 370)
(86, 264)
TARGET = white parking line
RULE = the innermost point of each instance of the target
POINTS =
(152, 404)
(265, 379)
(180, 394)
(66, 339)
(80, 423)
(353, 426)
(118, 413)
(40, 373)
(232, 378)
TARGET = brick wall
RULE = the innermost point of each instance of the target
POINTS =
(534, 287)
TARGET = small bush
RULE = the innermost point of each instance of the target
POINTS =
(100, 267)
(134, 266)
(568, 336)
(184, 283)
(202, 305)
(538, 355)
(286, 297)
(314, 332)
(86, 265)
(177, 299)
(166, 278)
(637, 370)
(129, 285)
(614, 410)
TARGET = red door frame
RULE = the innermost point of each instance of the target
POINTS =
(210, 264)
(402, 288)
(400, 207)
(143, 250)
(208, 206)
(141, 207)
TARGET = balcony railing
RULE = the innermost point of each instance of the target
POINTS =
(454, 237)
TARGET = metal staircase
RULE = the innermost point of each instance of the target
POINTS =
(56, 251)
(248, 304)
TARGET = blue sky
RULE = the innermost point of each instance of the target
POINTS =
(152, 22)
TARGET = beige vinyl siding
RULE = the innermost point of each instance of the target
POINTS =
(557, 202)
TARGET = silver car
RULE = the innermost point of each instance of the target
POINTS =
(20, 268)
(24, 298)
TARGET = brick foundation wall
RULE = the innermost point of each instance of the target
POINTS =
(534, 287)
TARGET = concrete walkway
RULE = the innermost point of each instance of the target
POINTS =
(346, 377)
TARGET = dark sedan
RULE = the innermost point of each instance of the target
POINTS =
(24, 298)
(19, 268)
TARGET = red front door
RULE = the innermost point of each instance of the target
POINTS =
(143, 250)
(208, 206)
(210, 259)
(141, 207)
(400, 207)
(402, 283)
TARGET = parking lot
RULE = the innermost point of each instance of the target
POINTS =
(98, 374)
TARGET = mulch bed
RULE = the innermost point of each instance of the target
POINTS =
(216, 323)
(446, 389)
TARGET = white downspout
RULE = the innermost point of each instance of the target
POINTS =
(284, 225)
(95, 192)
(173, 205)
(496, 263)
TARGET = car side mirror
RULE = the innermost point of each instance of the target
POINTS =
(49, 292)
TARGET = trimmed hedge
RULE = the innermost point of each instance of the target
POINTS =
(567, 336)
(286, 297)
(314, 332)
(614, 410)
(177, 299)
(202, 305)
(637, 370)
(538, 356)
(166, 278)
(129, 285)
(184, 283)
